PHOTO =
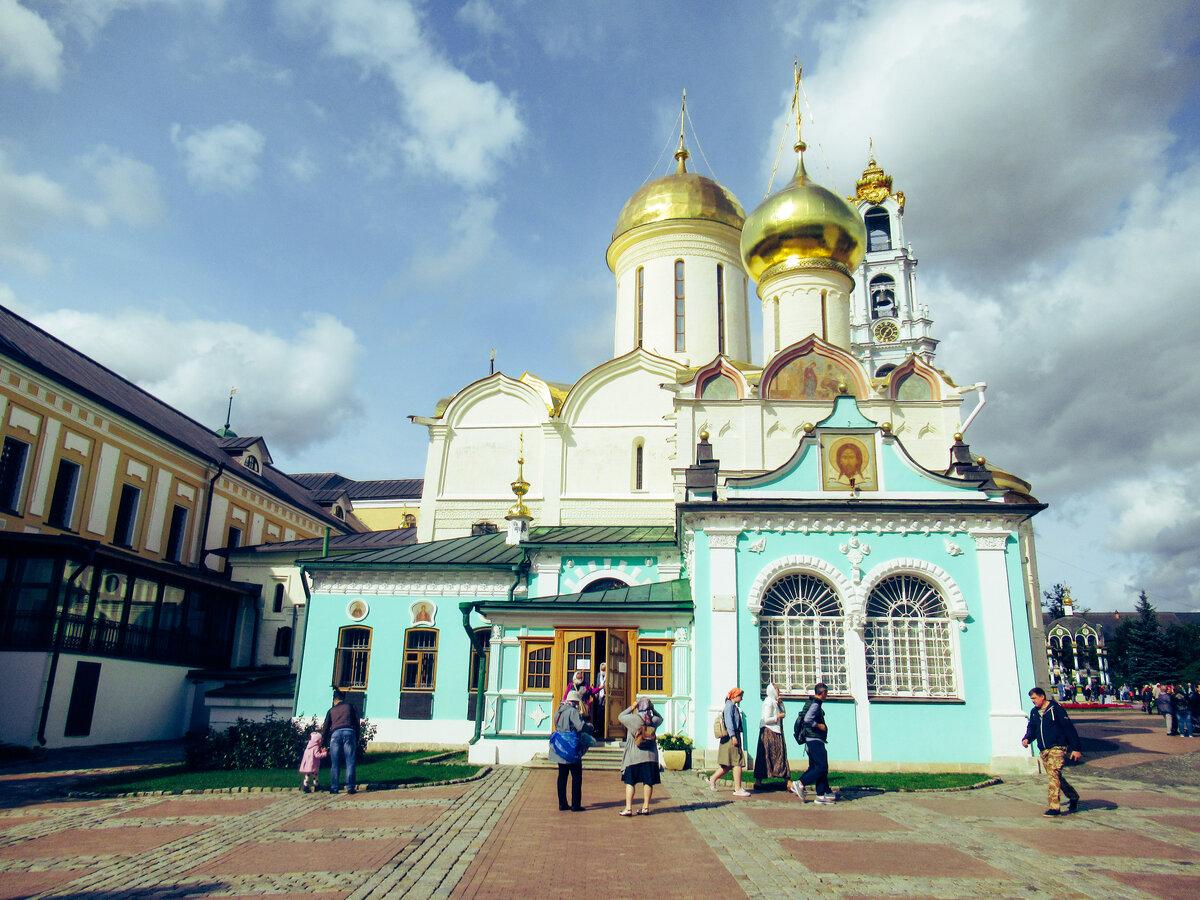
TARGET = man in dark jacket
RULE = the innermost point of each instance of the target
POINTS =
(1056, 737)
(339, 735)
(810, 732)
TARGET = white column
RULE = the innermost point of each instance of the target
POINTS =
(1007, 709)
(722, 584)
(856, 668)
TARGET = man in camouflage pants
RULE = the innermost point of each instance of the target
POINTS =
(1056, 737)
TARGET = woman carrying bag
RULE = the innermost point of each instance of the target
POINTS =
(639, 765)
(567, 749)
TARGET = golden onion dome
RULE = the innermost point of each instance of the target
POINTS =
(681, 195)
(803, 224)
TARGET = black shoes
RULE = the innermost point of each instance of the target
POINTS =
(1073, 804)
(1051, 814)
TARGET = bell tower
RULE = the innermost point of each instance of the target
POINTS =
(887, 324)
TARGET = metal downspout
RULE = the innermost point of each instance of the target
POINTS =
(58, 639)
(212, 485)
(519, 570)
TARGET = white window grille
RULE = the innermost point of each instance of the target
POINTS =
(908, 640)
(801, 636)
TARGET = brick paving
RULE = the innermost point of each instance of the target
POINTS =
(1137, 836)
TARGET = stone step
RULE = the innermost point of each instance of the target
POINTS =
(602, 757)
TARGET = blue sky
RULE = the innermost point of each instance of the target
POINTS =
(341, 208)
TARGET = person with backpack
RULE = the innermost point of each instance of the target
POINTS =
(639, 765)
(811, 733)
(731, 756)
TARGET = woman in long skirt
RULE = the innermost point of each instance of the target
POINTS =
(639, 765)
(771, 759)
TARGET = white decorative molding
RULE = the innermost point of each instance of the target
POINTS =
(757, 546)
(952, 548)
(497, 633)
(722, 539)
(22, 419)
(490, 721)
(995, 540)
(876, 523)
(800, 563)
(137, 470)
(538, 715)
(77, 443)
(400, 585)
(855, 551)
(357, 610)
(956, 603)
(681, 634)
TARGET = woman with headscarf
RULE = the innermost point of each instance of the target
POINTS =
(639, 765)
(579, 684)
(770, 759)
(568, 719)
(732, 755)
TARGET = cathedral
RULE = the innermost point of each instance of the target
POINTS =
(684, 519)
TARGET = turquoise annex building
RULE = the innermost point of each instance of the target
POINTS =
(691, 520)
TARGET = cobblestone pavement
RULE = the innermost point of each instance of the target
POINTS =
(503, 836)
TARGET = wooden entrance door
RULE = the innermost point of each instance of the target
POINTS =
(617, 685)
(578, 652)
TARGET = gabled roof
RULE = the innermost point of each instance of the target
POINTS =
(40, 351)
(662, 596)
(491, 551)
(328, 486)
(339, 543)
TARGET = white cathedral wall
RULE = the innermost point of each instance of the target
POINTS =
(702, 247)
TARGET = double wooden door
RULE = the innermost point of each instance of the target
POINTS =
(584, 650)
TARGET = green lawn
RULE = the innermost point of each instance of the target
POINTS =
(884, 781)
(374, 768)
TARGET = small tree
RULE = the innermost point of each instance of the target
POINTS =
(1054, 602)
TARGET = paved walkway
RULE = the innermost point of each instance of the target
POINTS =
(503, 836)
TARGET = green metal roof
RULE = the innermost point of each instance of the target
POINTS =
(490, 551)
(663, 596)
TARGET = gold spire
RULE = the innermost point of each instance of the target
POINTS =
(800, 146)
(875, 186)
(520, 487)
(681, 154)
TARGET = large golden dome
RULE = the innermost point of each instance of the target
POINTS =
(806, 224)
(682, 195)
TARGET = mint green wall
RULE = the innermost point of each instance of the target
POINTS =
(388, 620)
(702, 640)
(931, 732)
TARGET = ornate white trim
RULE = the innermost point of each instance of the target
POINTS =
(907, 523)
(991, 540)
(401, 585)
(722, 539)
(785, 564)
(956, 603)
(631, 576)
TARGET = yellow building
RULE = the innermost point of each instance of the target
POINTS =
(379, 505)
(112, 507)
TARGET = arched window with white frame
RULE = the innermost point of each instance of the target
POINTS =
(909, 644)
(801, 635)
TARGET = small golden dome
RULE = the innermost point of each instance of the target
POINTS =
(804, 223)
(683, 195)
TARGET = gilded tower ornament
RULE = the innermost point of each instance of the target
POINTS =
(875, 186)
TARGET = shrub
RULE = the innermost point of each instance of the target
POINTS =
(271, 744)
(675, 742)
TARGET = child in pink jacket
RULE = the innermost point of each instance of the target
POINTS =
(310, 762)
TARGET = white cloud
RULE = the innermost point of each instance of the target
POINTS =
(89, 17)
(452, 125)
(1014, 128)
(482, 16)
(302, 167)
(222, 158)
(31, 203)
(28, 47)
(295, 389)
(130, 188)
(475, 235)
(1044, 204)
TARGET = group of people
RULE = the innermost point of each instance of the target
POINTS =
(1178, 705)
(581, 710)
(338, 740)
(771, 759)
